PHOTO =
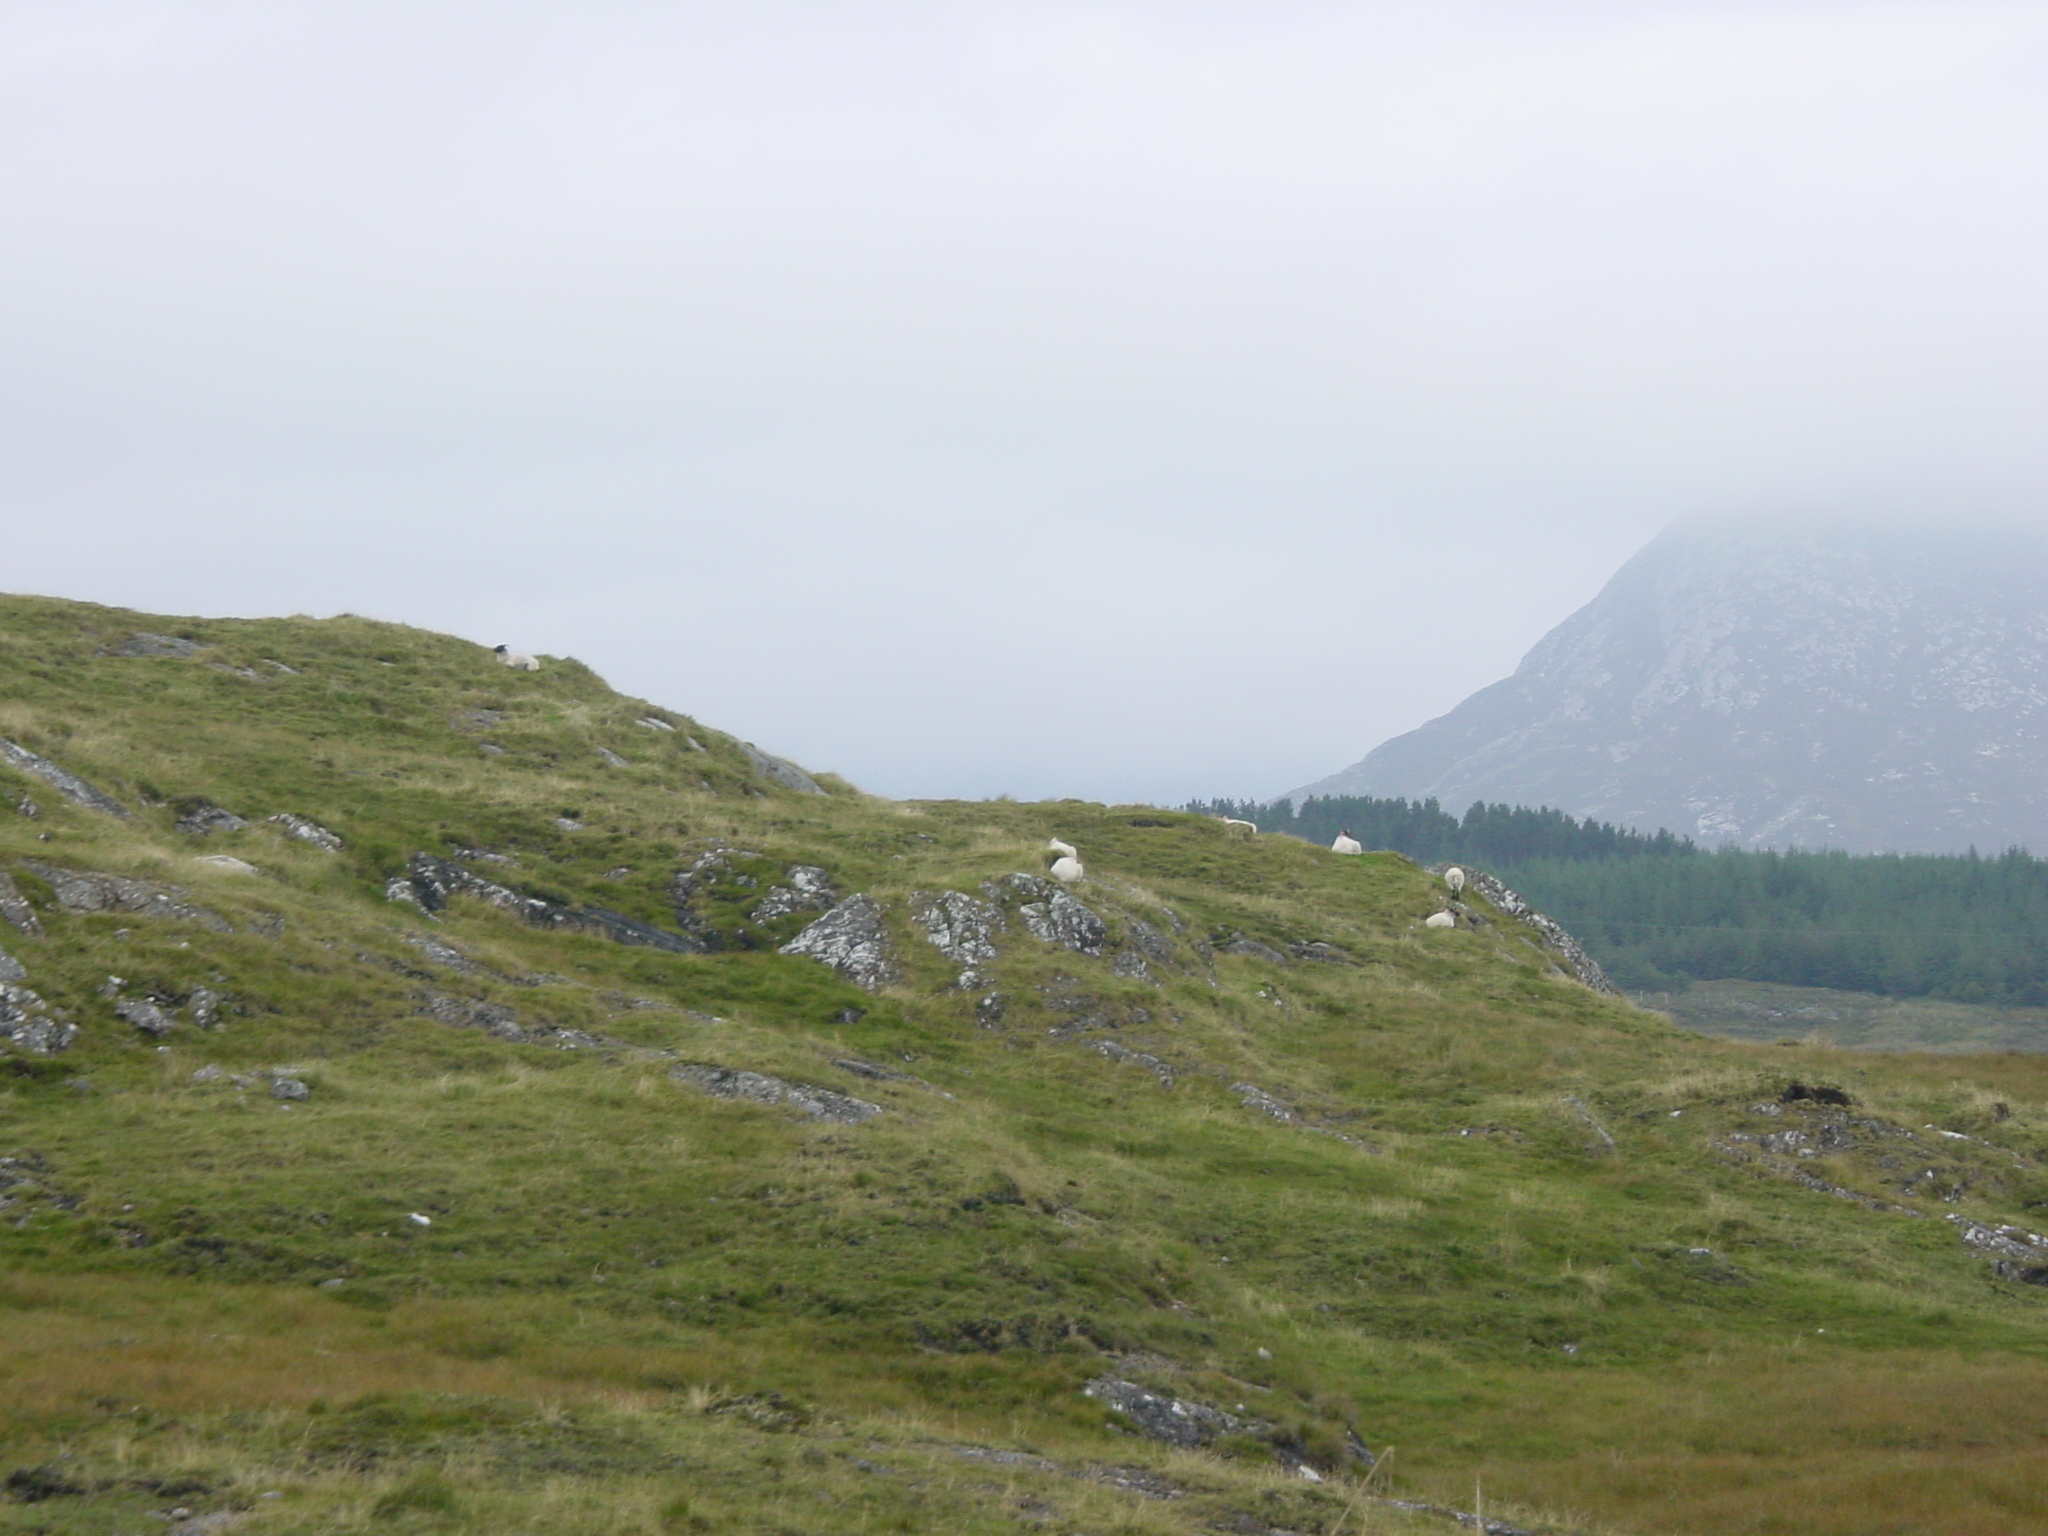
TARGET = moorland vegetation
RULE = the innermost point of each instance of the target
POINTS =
(1224, 1197)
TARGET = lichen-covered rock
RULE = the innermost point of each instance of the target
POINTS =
(1174, 1420)
(69, 785)
(779, 770)
(809, 890)
(1062, 920)
(1554, 938)
(500, 1023)
(146, 644)
(289, 1089)
(806, 1099)
(960, 927)
(1254, 1097)
(853, 940)
(306, 831)
(11, 969)
(146, 1016)
(85, 890)
(204, 1006)
(14, 911)
(1252, 949)
(2015, 1253)
(428, 883)
(26, 1023)
(201, 818)
(227, 864)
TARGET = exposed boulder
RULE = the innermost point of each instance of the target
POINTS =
(227, 864)
(960, 927)
(16, 912)
(69, 785)
(779, 770)
(1062, 920)
(1174, 1420)
(146, 1015)
(428, 883)
(1554, 939)
(500, 1023)
(1252, 949)
(11, 969)
(26, 1023)
(853, 940)
(200, 818)
(306, 831)
(2015, 1253)
(84, 890)
(808, 1100)
(146, 644)
(809, 890)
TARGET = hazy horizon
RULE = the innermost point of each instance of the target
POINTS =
(1130, 401)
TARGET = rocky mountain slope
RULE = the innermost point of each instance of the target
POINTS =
(1772, 684)
(439, 1098)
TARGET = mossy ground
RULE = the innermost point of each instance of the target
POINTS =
(635, 1308)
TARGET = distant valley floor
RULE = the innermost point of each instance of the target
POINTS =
(1865, 1021)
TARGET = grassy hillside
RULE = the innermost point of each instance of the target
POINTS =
(338, 1213)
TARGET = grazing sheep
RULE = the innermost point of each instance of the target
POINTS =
(1230, 822)
(1346, 843)
(1066, 865)
(1065, 850)
(517, 660)
(1454, 877)
(1440, 920)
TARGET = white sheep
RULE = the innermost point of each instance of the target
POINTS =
(1066, 865)
(1230, 822)
(517, 660)
(1440, 920)
(1346, 843)
(1454, 877)
(1065, 850)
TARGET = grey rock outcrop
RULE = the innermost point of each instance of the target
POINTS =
(306, 831)
(1063, 921)
(146, 644)
(145, 1014)
(1568, 951)
(853, 940)
(2015, 1253)
(27, 1024)
(11, 969)
(1772, 683)
(84, 890)
(16, 912)
(428, 883)
(501, 1023)
(960, 927)
(202, 817)
(69, 785)
(807, 1099)
(1158, 1416)
(779, 770)
(809, 889)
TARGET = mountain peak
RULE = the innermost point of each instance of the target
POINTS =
(1773, 682)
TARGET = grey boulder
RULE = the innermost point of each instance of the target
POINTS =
(808, 1100)
(852, 939)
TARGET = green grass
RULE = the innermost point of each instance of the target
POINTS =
(638, 1308)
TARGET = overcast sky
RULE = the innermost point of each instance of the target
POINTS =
(1132, 401)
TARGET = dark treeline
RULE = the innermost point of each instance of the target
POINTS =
(1658, 912)
(1488, 835)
